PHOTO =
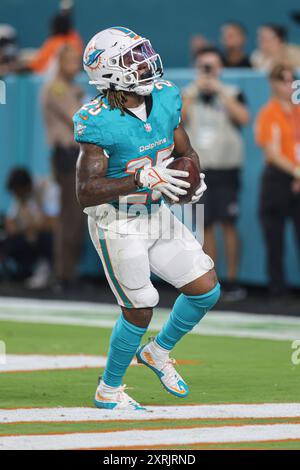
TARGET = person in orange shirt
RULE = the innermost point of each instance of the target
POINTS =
(278, 134)
(62, 34)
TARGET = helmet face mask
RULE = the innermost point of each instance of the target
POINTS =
(141, 57)
(130, 64)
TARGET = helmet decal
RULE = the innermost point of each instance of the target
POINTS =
(127, 31)
(93, 58)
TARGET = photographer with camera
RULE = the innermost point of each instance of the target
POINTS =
(214, 114)
(8, 50)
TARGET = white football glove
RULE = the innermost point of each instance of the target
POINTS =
(162, 179)
(199, 192)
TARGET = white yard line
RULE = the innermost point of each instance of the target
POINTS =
(100, 308)
(49, 318)
(31, 362)
(60, 305)
(206, 327)
(105, 308)
(263, 410)
(232, 324)
(144, 438)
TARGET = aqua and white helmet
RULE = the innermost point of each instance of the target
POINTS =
(112, 59)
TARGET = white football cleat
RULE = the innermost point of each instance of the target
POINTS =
(151, 356)
(114, 398)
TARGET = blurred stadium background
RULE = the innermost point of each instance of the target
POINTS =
(243, 370)
(171, 28)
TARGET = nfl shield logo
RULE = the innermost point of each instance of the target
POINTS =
(148, 127)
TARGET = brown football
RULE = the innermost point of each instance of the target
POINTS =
(185, 164)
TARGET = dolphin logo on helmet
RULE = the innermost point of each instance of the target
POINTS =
(122, 53)
(93, 57)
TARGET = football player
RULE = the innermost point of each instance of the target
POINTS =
(126, 137)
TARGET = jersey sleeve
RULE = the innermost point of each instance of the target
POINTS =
(170, 99)
(177, 106)
(87, 130)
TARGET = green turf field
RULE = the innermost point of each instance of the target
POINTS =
(224, 370)
(230, 369)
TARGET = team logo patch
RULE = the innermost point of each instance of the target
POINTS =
(92, 58)
(148, 127)
(80, 128)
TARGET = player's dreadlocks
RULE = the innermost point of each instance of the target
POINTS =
(116, 99)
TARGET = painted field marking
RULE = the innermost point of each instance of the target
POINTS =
(100, 309)
(224, 411)
(35, 362)
(156, 324)
(40, 362)
(135, 438)
(233, 324)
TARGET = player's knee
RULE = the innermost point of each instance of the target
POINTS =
(138, 316)
(201, 285)
(207, 300)
(145, 297)
(211, 280)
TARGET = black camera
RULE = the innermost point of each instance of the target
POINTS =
(295, 15)
(207, 68)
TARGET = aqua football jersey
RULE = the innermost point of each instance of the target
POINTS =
(129, 142)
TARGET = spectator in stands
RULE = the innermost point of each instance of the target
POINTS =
(197, 43)
(29, 226)
(273, 48)
(278, 134)
(62, 33)
(214, 114)
(233, 40)
(62, 97)
(8, 50)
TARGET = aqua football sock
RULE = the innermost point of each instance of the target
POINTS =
(188, 310)
(124, 341)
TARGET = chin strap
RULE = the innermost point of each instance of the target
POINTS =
(144, 89)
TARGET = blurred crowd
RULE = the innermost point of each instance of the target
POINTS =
(43, 60)
(272, 46)
(44, 226)
(214, 114)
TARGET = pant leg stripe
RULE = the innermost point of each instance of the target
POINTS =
(110, 270)
(112, 286)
